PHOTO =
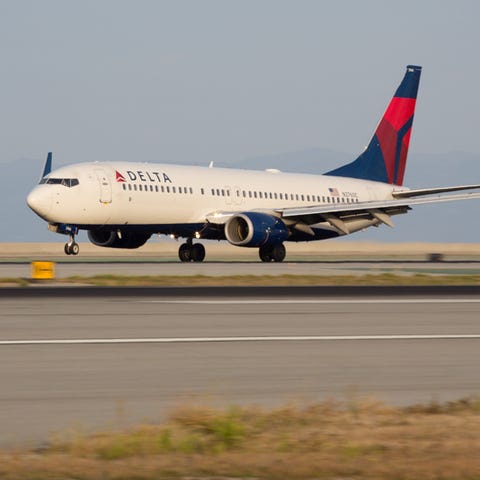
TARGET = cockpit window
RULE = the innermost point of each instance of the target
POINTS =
(66, 182)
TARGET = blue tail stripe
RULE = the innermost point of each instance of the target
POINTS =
(409, 86)
(370, 165)
(401, 133)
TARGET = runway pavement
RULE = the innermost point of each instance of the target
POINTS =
(228, 268)
(112, 357)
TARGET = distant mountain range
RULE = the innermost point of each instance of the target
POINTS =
(450, 222)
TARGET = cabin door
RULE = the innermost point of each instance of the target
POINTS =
(105, 186)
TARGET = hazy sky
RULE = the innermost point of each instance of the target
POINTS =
(194, 81)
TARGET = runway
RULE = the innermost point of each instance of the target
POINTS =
(90, 359)
(65, 269)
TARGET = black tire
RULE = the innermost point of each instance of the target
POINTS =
(66, 249)
(74, 249)
(184, 253)
(197, 252)
(278, 252)
(264, 253)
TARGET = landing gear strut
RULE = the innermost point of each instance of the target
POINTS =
(71, 248)
(190, 252)
(272, 253)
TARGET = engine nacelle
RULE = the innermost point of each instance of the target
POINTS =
(254, 229)
(112, 239)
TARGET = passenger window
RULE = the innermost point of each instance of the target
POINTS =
(156, 188)
(308, 198)
(260, 194)
(281, 196)
(191, 190)
(255, 194)
(202, 191)
(124, 186)
(173, 190)
(168, 189)
(275, 195)
(218, 191)
(249, 194)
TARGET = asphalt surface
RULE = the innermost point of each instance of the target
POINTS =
(227, 268)
(107, 358)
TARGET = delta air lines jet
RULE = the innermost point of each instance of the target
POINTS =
(122, 204)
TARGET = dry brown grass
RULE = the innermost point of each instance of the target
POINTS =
(380, 279)
(329, 440)
(276, 280)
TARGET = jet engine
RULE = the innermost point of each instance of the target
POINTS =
(254, 229)
(116, 239)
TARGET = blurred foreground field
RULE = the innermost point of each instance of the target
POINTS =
(360, 439)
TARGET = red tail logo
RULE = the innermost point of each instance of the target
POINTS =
(119, 177)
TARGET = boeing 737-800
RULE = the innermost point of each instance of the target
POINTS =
(122, 204)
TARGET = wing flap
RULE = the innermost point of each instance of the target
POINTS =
(381, 210)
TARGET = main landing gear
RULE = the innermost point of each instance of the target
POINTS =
(190, 252)
(71, 248)
(272, 253)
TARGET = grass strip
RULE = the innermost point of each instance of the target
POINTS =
(277, 280)
(354, 439)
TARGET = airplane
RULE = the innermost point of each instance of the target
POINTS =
(122, 204)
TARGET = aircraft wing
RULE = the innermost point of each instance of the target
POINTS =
(339, 215)
(429, 191)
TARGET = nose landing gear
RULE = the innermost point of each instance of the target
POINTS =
(71, 248)
(190, 252)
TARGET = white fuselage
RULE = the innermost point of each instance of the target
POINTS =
(161, 194)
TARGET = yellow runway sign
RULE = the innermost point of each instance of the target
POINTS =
(43, 270)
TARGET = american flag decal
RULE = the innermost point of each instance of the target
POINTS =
(119, 177)
(333, 192)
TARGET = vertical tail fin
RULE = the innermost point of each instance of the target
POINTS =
(385, 158)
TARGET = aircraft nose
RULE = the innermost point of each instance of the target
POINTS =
(40, 201)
